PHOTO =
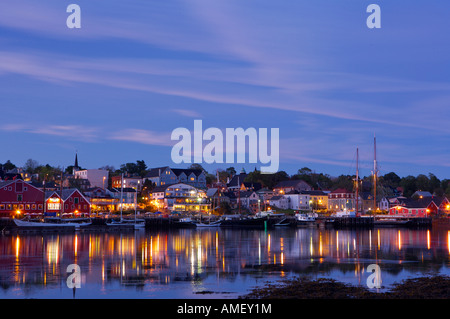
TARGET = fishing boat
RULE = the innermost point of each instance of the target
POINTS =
(305, 219)
(268, 213)
(345, 213)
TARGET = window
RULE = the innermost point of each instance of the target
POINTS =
(19, 187)
(40, 206)
(33, 206)
(75, 200)
(27, 206)
(2, 207)
(9, 207)
(19, 197)
(21, 206)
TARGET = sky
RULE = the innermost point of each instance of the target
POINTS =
(113, 90)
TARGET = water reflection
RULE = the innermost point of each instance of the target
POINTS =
(179, 263)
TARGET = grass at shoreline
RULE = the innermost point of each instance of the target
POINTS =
(428, 287)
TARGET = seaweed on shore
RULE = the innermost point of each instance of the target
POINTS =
(434, 287)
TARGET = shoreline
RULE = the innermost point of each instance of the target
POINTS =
(424, 287)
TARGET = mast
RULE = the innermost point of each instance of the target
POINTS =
(375, 173)
(61, 207)
(357, 183)
(121, 196)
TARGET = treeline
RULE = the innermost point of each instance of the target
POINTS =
(389, 184)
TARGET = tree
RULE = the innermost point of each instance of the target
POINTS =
(408, 184)
(391, 179)
(8, 166)
(138, 168)
(231, 171)
(343, 181)
(196, 166)
(31, 166)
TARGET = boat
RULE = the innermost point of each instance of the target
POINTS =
(136, 223)
(44, 224)
(305, 219)
(391, 222)
(345, 213)
(211, 224)
(268, 213)
(283, 223)
(185, 223)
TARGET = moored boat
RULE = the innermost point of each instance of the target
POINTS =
(25, 223)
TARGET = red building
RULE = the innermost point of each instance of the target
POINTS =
(18, 198)
(409, 211)
(72, 202)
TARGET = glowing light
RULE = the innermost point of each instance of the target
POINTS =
(399, 241)
(448, 241)
(17, 246)
(428, 239)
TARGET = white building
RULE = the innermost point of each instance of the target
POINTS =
(298, 201)
(280, 202)
(96, 177)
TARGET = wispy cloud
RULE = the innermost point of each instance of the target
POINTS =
(188, 113)
(142, 136)
(77, 132)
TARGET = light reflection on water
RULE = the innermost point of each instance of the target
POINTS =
(211, 263)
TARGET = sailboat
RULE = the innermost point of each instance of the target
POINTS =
(137, 224)
(355, 212)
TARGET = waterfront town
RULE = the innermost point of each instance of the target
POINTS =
(34, 191)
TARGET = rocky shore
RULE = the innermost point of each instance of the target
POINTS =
(427, 287)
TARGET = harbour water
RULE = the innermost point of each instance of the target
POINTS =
(211, 263)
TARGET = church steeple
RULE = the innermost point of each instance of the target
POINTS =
(76, 160)
(75, 167)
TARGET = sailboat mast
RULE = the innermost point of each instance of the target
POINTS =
(357, 182)
(121, 196)
(61, 207)
(375, 173)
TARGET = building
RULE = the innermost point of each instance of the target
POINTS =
(297, 200)
(161, 176)
(96, 177)
(279, 201)
(342, 199)
(285, 187)
(248, 200)
(101, 201)
(70, 202)
(236, 181)
(411, 209)
(384, 204)
(126, 197)
(318, 200)
(180, 197)
(132, 182)
(18, 199)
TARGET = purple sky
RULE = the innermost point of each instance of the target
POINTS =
(116, 88)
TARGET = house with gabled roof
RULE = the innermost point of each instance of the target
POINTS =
(165, 175)
(19, 198)
(291, 185)
(68, 202)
